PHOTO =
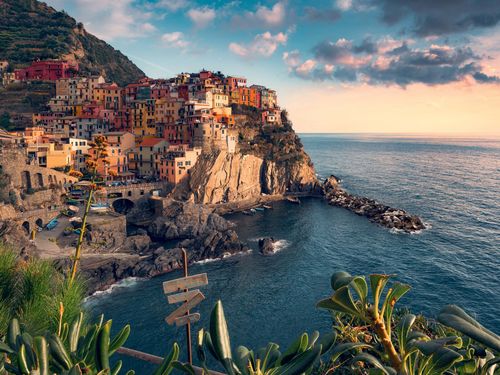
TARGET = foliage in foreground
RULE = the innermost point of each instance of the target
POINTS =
(72, 350)
(32, 290)
(376, 342)
(299, 358)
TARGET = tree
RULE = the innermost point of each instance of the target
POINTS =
(97, 156)
(5, 121)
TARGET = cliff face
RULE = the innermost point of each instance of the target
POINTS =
(268, 160)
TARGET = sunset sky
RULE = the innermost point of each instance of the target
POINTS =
(413, 66)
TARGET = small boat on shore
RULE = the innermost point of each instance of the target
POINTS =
(248, 213)
(267, 207)
(295, 200)
(259, 209)
(99, 207)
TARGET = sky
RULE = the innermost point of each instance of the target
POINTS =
(347, 66)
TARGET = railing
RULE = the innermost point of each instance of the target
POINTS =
(157, 360)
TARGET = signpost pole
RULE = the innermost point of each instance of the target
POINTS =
(188, 325)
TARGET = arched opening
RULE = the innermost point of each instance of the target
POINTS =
(26, 180)
(39, 223)
(39, 180)
(129, 194)
(26, 226)
(123, 206)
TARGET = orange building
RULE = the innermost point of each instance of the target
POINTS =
(175, 165)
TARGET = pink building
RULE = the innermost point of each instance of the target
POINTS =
(50, 70)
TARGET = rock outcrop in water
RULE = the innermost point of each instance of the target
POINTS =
(376, 212)
(266, 246)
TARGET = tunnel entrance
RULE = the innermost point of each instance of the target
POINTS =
(123, 206)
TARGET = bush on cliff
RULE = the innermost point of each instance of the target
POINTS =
(32, 291)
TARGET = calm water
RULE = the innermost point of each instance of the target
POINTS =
(453, 184)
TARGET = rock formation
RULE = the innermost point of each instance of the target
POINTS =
(266, 246)
(376, 212)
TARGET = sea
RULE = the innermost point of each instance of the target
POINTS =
(453, 184)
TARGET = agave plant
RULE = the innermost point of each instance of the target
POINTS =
(406, 350)
(299, 358)
(75, 349)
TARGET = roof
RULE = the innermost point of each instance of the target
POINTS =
(149, 142)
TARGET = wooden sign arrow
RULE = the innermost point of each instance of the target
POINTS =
(178, 285)
(183, 320)
(184, 308)
(182, 297)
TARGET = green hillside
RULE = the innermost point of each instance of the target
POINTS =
(30, 29)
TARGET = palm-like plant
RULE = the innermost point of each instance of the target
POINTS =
(298, 359)
(401, 348)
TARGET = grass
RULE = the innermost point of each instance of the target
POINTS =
(32, 292)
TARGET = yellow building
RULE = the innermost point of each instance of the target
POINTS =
(50, 155)
(142, 118)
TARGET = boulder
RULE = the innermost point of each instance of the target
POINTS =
(266, 246)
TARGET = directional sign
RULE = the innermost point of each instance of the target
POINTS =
(184, 308)
(178, 285)
(183, 320)
(181, 297)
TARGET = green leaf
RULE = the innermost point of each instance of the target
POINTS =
(102, 347)
(243, 357)
(443, 359)
(220, 336)
(186, 368)
(41, 347)
(454, 317)
(167, 364)
(403, 330)
(339, 279)
(301, 363)
(22, 362)
(314, 338)
(117, 368)
(368, 358)
(327, 341)
(291, 351)
(341, 301)
(119, 339)
(432, 346)
(397, 291)
(76, 370)
(304, 342)
(210, 346)
(361, 287)
(74, 333)
(4, 348)
(59, 352)
(340, 349)
(12, 332)
(270, 356)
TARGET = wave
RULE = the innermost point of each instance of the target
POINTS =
(125, 283)
(281, 245)
(427, 226)
(224, 256)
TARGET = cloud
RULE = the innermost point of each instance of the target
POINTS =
(389, 62)
(430, 17)
(344, 5)
(172, 5)
(201, 17)
(262, 17)
(321, 15)
(110, 20)
(263, 45)
(174, 40)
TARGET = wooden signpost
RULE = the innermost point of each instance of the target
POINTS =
(190, 299)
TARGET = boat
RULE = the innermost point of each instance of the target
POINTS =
(249, 213)
(259, 209)
(267, 207)
(99, 207)
(293, 200)
(52, 224)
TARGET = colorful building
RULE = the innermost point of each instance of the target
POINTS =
(176, 163)
(49, 70)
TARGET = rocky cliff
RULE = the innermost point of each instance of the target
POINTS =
(268, 160)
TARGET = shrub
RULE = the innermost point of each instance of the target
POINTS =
(32, 290)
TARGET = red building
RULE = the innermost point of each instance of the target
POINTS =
(49, 70)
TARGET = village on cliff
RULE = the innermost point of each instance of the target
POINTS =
(154, 128)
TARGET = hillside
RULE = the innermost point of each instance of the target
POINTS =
(30, 29)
